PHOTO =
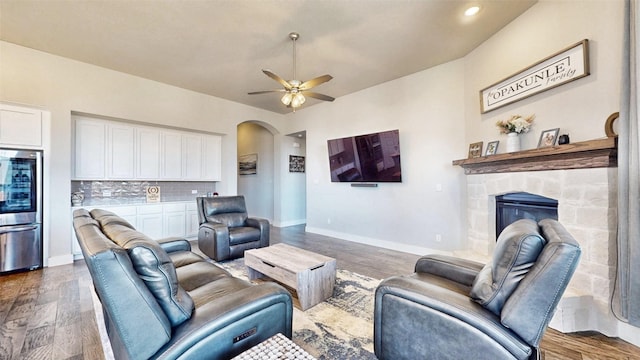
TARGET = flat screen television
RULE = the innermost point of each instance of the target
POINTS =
(371, 158)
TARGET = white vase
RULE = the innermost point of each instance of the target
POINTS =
(513, 142)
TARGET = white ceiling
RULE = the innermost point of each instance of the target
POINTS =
(218, 47)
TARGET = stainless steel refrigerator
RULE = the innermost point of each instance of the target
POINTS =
(20, 210)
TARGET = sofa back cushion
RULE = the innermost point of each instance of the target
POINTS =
(228, 210)
(517, 250)
(153, 265)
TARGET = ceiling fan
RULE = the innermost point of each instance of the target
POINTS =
(296, 90)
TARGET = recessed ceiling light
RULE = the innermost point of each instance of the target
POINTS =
(472, 10)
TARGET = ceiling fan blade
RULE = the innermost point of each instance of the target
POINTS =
(266, 91)
(315, 82)
(318, 96)
(277, 78)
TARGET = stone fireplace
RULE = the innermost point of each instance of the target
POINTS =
(587, 206)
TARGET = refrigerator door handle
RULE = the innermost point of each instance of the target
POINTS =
(10, 229)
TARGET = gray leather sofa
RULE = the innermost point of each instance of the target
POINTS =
(226, 230)
(452, 308)
(162, 301)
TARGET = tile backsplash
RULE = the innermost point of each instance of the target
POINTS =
(134, 192)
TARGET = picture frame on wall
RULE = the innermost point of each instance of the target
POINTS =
(248, 164)
(492, 147)
(296, 164)
(548, 138)
(475, 150)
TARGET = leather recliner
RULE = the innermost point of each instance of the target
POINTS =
(452, 308)
(226, 230)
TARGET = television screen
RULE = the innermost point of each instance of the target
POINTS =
(366, 158)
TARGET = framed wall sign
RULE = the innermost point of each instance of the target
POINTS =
(296, 163)
(565, 66)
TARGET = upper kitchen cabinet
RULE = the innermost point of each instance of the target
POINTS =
(112, 150)
(90, 149)
(120, 151)
(212, 157)
(20, 126)
(147, 153)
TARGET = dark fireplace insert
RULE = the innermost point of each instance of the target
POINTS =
(521, 205)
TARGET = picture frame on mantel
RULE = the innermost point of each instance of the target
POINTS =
(548, 138)
(492, 148)
(558, 69)
(475, 150)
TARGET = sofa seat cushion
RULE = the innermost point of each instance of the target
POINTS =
(183, 258)
(517, 250)
(195, 275)
(242, 235)
(216, 289)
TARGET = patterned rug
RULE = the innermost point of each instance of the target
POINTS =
(339, 328)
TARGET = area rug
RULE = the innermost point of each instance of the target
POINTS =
(339, 328)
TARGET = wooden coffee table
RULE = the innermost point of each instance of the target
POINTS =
(311, 275)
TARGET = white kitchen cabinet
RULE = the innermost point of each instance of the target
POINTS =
(192, 156)
(147, 153)
(20, 126)
(212, 157)
(90, 160)
(193, 223)
(120, 151)
(171, 156)
(150, 221)
(174, 220)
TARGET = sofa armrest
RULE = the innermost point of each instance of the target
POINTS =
(455, 269)
(232, 324)
(173, 244)
(405, 306)
(213, 240)
(263, 226)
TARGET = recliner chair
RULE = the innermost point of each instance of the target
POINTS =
(452, 308)
(226, 230)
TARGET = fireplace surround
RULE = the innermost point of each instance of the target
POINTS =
(587, 207)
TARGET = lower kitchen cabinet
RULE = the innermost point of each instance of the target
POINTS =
(157, 221)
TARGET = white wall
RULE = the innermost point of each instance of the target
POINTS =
(579, 108)
(62, 85)
(428, 110)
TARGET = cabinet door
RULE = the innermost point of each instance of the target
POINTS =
(171, 166)
(212, 157)
(193, 223)
(150, 225)
(120, 151)
(174, 223)
(90, 149)
(147, 153)
(20, 126)
(192, 157)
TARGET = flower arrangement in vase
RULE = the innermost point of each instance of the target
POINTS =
(513, 127)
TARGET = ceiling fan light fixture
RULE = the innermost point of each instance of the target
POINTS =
(298, 100)
(286, 99)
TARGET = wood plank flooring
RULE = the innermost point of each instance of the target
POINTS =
(48, 313)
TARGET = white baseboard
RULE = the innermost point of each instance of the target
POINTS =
(411, 249)
(60, 260)
(290, 223)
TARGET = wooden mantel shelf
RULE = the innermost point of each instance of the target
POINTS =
(580, 155)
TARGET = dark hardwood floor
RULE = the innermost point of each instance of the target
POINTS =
(48, 314)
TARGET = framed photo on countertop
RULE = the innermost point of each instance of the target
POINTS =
(548, 138)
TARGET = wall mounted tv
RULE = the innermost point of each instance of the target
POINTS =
(370, 158)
